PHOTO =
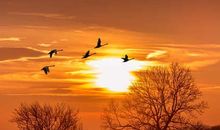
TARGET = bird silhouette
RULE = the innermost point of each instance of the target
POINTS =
(87, 54)
(54, 51)
(46, 69)
(126, 58)
(99, 43)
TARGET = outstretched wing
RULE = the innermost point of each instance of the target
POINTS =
(55, 51)
(48, 70)
(87, 53)
(126, 56)
(99, 42)
(45, 70)
(51, 54)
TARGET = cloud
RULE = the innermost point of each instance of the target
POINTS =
(14, 39)
(36, 27)
(44, 15)
(188, 46)
(44, 45)
(210, 88)
(60, 91)
(7, 53)
(156, 53)
(196, 54)
(49, 87)
(63, 40)
(202, 63)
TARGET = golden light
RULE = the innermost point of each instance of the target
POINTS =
(113, 74)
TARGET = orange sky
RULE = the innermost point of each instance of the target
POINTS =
(152, 31)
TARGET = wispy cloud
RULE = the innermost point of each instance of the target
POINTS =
(23, 59)
(156, 54)
(15, 39)
(36, 27)
(44, 45)
(10, 54)
(211, 88)
(195, 54)
(202, 63)
(188, 46)
(45, 15)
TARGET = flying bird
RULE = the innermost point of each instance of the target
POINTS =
(99, 43)
(46, 69)
(54, 51)
(126, 58)
(88, 54)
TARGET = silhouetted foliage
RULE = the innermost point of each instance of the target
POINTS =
(164, 98)
(45, 117)
(200, 126)
(196, 126)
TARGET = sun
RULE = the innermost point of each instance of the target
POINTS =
(113, 74)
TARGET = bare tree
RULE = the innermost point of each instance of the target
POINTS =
(45, 117)
(164, 98)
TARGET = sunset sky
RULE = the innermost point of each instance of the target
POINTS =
(154, 32)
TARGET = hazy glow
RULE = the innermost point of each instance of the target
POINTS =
(113, 74)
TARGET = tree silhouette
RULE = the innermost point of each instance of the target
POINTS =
(196, 126)
(163, 98)
(45, 117)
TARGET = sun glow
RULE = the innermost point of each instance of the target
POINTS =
(113, 74)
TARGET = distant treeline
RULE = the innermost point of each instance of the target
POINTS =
(217, 127)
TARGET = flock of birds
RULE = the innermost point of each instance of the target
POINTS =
(86, 55)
